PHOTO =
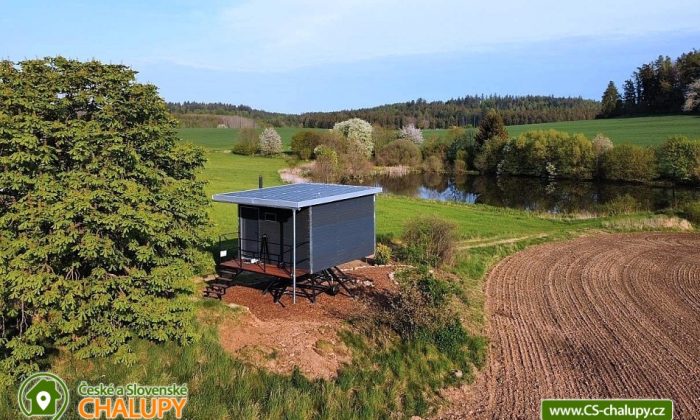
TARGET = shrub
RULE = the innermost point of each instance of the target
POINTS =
(490, 155)
(437, 146)
(381, 137)
(433, 164)
(461, 144)
(399, 152)
(679, 159)
(270, 142)
(410, 132)
(354, 166)
(357, 132)
(628, 162)
(460, 166)
(304, 142)
(429, 240)
(692, 212)
(382, 255)
(601, 146)
(335, 141)
(622, 204)
(420, 306)
(548, 153)
(326, 166)
(248, 142)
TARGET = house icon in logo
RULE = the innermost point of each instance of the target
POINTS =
(43, 397)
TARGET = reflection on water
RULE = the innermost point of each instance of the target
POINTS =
(533, 194)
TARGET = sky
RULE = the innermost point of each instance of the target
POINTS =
(322, 55)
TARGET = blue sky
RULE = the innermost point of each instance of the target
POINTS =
(308, 55)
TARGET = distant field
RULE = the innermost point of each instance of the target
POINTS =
(225, 138)
(645, 131)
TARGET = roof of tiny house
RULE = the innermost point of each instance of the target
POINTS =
(296, 196)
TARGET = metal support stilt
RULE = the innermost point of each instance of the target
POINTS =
(294, 256)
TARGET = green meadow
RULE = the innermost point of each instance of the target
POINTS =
(643, 131)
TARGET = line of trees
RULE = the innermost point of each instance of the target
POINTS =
(663, 86)
(459, 112)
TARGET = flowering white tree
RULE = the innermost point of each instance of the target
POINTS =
(358, 132)
(270, 142)
(692, 97)
(410, 132)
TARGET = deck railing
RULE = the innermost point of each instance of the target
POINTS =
(231, 247)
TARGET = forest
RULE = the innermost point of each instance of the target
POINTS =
(460, 112)
(663, 86)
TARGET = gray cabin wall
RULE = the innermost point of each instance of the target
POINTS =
(303, 238)
(342, 231)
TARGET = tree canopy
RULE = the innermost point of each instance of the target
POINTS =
(491, 127)
(103, 218)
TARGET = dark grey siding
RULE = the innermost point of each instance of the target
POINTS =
(342, 231)
(303, 257)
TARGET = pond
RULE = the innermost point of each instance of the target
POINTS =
(533, 194)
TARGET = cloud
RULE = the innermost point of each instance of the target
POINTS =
(272, 36)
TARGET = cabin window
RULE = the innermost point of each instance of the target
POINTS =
(270, 217)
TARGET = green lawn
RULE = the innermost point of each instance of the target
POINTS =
(644, 131)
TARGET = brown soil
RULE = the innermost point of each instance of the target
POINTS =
(609, 316)
(279, 336)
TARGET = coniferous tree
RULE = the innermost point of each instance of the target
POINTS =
(491, 127)
(629, 98)
(611, 102)
(102, 217)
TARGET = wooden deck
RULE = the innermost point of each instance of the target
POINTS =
(268, 270)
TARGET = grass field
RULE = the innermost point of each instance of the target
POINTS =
(225, 138)
(643, 131)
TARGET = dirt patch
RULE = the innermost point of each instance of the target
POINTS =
(609, 316)
(279, 336)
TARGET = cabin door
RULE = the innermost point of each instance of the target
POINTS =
(271, 228)
(249, 231)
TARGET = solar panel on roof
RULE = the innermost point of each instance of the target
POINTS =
(296, 195)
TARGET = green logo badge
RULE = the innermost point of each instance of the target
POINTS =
(43, 394)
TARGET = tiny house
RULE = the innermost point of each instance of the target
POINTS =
(296, 230)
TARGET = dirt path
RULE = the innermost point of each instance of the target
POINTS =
(483, 243)
(608, 316)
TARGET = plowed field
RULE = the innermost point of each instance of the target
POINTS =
(608, 316)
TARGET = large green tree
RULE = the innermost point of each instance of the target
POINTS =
(102, 217)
